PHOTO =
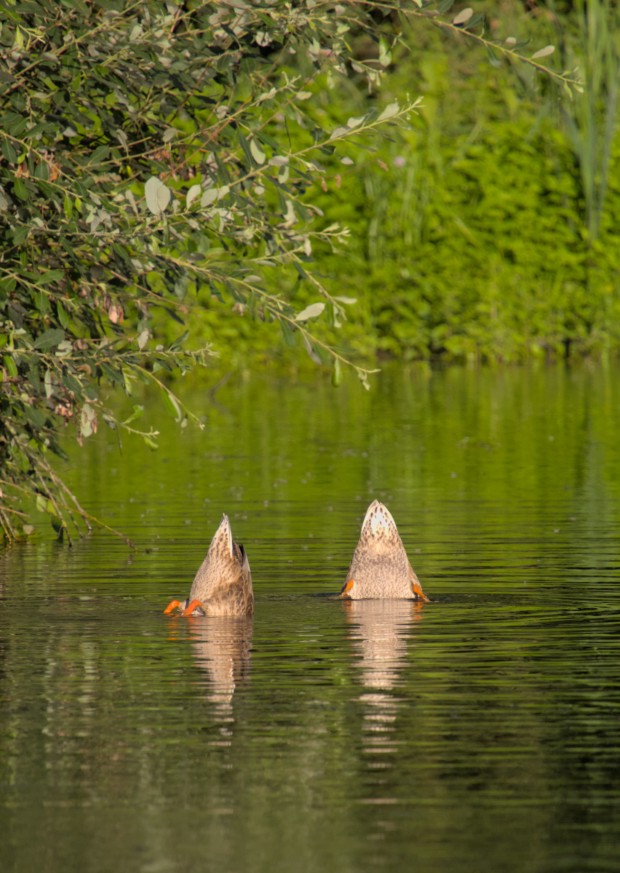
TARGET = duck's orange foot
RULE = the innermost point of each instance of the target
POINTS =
(174, 604)
(417, 590)
(346, 589)
(195, 604)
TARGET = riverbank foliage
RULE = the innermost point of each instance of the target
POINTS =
(164, 165)
(486, 230)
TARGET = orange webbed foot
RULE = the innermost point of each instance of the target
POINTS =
(195, 604)
(417, 590)
(346, 589)
(174, 604)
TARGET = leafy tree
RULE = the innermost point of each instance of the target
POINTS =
(152, 154)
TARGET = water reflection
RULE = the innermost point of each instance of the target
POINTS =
(373, 736)
(221, 646)
(380, 631)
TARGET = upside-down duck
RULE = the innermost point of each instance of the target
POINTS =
(380, 567)
(223, 583)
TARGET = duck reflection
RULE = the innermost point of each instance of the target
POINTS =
(380, 631)
(222, 650)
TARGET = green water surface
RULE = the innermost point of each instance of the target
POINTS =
(478, 732)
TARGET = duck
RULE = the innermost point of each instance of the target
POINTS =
(223, 584)
(380, 567)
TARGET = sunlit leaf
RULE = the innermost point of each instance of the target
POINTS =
(157, 195)
(312, 311)
(385, 56)
(339, 132)
(49, 383)
(544, 52)
(143, 338)
(390, 111)
(257, 153)
(192, 194)
(352, 123)
(463, 16)
(211, 195)
(88, 421)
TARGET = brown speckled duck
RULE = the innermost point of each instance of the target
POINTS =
(223, 583)
(380, 567)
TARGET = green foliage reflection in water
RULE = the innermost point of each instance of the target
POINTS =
(517, 441)
(490, 722)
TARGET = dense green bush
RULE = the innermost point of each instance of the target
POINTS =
(470, 230)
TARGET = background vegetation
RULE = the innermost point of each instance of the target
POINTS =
(486, 229)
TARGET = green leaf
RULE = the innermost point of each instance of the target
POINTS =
(100, 154)
(21, 190)
(49, 339)
(41, 171)
(179, 342)
(8, 152)
(50, 276)
(173, 403)
(20, 234)
(289, 334)
(10, 365)
(63, 318)
(57, 524)
(137, 413)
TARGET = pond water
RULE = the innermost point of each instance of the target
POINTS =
(478, 731)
